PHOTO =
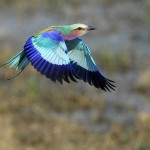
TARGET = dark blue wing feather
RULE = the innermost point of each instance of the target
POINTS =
(84, 66)
(47, 54)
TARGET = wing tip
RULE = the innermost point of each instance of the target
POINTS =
(109, 85)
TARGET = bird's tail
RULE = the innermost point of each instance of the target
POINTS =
(20, 61)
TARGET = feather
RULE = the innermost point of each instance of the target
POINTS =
(84, 67)
(47, 54)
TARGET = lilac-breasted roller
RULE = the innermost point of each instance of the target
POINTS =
(58, 53)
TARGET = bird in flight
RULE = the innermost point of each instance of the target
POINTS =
(58, 53)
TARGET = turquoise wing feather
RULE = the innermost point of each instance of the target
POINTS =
(84, 66)
(47, 54)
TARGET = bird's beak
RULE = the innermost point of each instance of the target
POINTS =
(90, 28)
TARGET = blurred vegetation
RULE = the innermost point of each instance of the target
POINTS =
(143, 85)
(25, 130)
(115, 61)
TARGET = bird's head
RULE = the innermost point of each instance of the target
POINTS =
(75, 30)
(80, 29)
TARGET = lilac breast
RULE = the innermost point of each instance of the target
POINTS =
(68, 37)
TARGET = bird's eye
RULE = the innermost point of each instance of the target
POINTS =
(79, 28)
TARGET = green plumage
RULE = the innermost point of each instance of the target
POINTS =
(19, 61)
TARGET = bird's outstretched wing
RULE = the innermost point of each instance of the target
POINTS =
(47, 54)
(84, 66)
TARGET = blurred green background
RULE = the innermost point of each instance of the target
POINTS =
(36, 114)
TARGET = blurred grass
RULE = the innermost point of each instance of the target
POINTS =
(119, 61)
(143, 85)
(35, 130)
(38, 4)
